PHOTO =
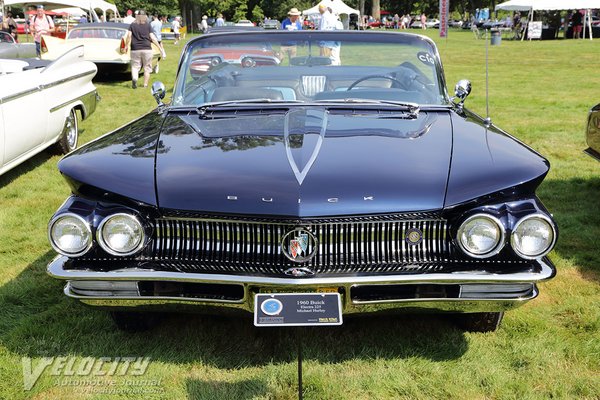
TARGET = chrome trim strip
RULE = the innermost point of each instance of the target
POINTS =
(39, 88)
(84, 99)
(16, 96)
(69, 291)
(56, 270)
(65, 80)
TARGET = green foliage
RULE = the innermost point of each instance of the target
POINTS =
(257, 13)
(240, 12)
(161, 7)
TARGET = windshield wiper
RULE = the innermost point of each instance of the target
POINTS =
(412, 108)
(207, 106)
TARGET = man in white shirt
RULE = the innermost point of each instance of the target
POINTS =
(329, 22)
(129, 18)
(176, 27)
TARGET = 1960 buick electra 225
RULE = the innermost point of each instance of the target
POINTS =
(343, 169)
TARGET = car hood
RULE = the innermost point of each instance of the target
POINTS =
(304, 162)
(363, 165)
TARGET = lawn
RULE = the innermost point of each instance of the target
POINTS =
(549, 348)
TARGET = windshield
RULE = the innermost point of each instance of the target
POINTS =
(97, 33)
(310, 66)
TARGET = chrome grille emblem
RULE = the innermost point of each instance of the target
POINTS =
(299, 245)
(413, 236)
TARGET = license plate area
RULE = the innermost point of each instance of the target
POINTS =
(297, 309)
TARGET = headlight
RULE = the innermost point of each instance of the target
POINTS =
(533, 236)
(70, 235)
(481, 236)
(120, 234)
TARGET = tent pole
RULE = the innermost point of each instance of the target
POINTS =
(529, 16)
(589, 21)
(584, 22)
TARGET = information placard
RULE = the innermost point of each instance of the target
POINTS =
(297, 309)
(534, 30)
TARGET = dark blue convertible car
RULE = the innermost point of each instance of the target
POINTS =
(334, 163)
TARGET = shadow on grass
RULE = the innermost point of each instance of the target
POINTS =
(36, 320)
(27, 166)
(205, 389)
(575, 204)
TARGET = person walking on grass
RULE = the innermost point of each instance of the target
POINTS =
(141, 38)
(176, 30)
(41, 24)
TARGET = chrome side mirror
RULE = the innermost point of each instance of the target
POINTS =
(158, 92)
(462, 90)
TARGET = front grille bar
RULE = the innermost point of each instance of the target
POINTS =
(342, 246)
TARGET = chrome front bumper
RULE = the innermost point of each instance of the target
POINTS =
(467, 291)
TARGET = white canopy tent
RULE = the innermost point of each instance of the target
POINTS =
(552, 5)
(88, 5)
(338, 7)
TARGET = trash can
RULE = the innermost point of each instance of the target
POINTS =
(496, 37)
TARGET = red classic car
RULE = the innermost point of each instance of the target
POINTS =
(247, 55)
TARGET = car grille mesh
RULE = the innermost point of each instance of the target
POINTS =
(344, 246)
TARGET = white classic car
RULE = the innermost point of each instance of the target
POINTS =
(11, 49)
(39, 103)
(105, 44)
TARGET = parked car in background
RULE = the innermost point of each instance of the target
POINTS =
(351, 176)
(244, 22)
(455, 23)
(168, 34)
(104, 44)
(430, 24)
(22, 27)
(211, 54)
(592, 132)
(9, 48)
(39, 103)
(271, 24)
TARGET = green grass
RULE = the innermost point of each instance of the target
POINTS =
(550, 348)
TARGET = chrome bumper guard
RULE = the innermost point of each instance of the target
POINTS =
(467, 291)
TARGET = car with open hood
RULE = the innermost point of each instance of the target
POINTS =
(344, 171)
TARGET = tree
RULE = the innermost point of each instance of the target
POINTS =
(240, 12)
(376, 9)
(161, 7)
(257, 13)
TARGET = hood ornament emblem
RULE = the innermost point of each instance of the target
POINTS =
(299, 245)
(301, 118)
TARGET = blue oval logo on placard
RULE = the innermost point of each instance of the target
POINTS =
(271, 306)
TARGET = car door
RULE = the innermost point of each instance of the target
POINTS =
(1, 138)
(8, 47)
(24, 112)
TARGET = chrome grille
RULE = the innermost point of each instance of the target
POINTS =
(346, 246)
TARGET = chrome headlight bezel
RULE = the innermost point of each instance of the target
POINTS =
(85, 224)
(494, 250)
(104, 245)
(548, 249)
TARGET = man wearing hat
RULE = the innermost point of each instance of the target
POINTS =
(129, 19)
(291, 23)
(41, 24)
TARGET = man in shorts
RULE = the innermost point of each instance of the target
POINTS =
(176, 29)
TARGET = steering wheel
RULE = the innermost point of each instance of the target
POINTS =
(365, 78)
